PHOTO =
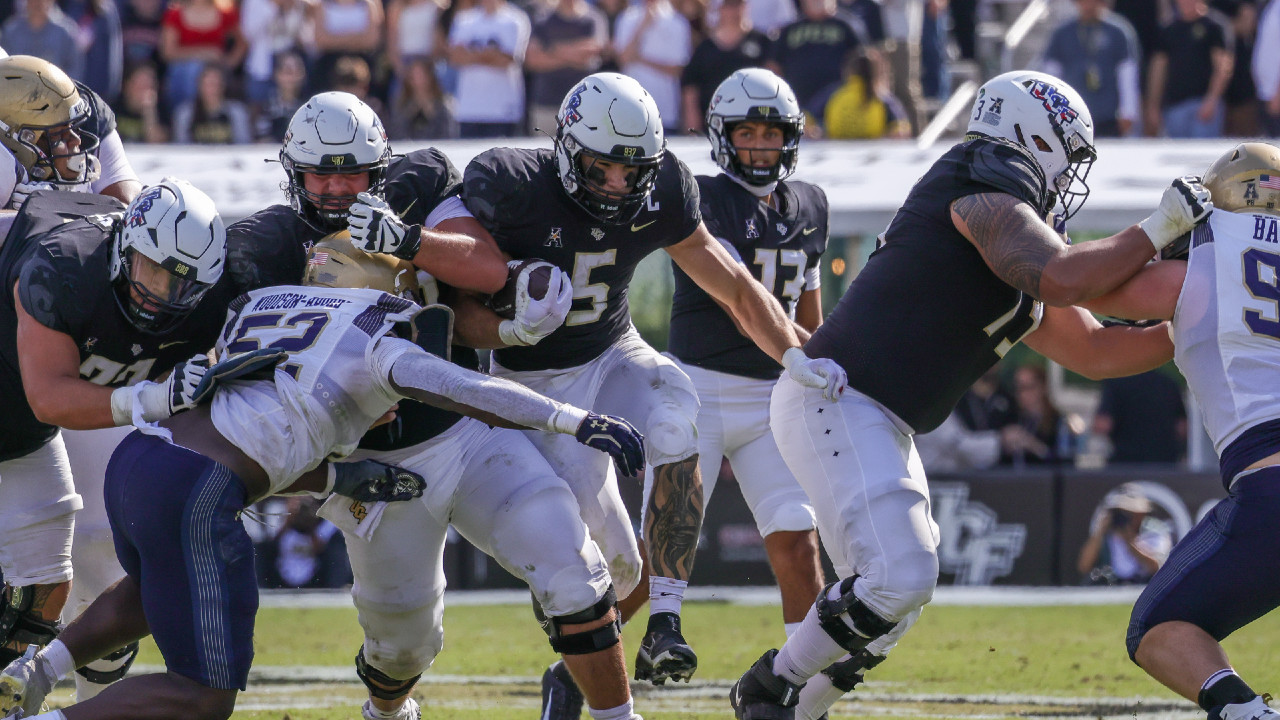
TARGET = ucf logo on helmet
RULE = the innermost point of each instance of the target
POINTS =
(571, 114)
(1054, 101)
(138, 216)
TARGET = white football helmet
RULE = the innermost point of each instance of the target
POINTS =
(1047, 117)
(608, 117)
(759, 95)
(333, 133)
(167, 252)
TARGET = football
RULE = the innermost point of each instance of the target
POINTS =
(503, 302)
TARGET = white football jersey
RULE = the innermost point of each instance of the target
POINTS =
(1226, 330)
(329, 390)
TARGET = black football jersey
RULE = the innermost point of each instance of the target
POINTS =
(518, 196)
(778, 245)
(926, 317)
(58, 252)
(270, 248)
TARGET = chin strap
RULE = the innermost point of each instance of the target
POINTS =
(759, 191)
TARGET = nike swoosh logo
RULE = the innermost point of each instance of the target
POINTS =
(808, 231)
(171, 344)
(638, 228)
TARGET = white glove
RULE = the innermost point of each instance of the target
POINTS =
(1184, 205)
(376, 228)
(823, 373)
(183, 390)
(23, 190)
(535, 319)
(25, 683)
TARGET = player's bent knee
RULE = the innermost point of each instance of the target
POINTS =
(112, 667)
(671, 434)
(789, 517)
(598, 627)
(846, 619)
(914, 579)
(402, 644)
(383, 685)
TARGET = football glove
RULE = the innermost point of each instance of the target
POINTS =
(1184, 205)
(615, 436)
(537, 318)
(191, 383)
(24, 684)
(372, 481)
(23, 190)
(823, 373)
(376, 228)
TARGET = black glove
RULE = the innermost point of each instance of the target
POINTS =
(373, 481)
(615, 436)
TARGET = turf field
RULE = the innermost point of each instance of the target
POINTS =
(958, 662)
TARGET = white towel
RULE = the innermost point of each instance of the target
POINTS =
(353, 517)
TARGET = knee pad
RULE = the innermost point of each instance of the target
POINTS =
(583, 642)
(111, 667)
(18, 624)
(866, 624)
(845, 675)
(381, 685)
(788, 517)
(403, 643)
(671, 430)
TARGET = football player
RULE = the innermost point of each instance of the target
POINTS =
(607, 196)
(967, 268)
(100, 300)
(342, 368)
(1221, 301)
(341, 175)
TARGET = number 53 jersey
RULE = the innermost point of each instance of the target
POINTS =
(331, 387)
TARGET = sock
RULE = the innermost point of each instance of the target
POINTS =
(666, 594)
(372, 711)
(790, 628)
(807, 651)
(816, 697)
(622, 712)
(1224, 688)
(59, 659)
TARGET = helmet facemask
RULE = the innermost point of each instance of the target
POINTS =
(45, 150)
(328, 213)
(1071, 185)
(720, 131)
(154, 296)
(584, 180)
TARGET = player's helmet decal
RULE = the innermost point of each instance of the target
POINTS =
(1246, 179)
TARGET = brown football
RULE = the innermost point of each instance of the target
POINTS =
(503, 302)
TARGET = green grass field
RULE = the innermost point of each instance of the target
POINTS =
(962, 662)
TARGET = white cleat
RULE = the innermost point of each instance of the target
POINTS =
(24, 684)
(1255, 709)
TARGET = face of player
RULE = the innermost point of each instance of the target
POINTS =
(336, 189)
(609, 177)
(758, 144)
(62, 144)
(161, 285)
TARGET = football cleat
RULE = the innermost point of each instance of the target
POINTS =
(561, 698)
(761, 695)
(663, 653)
(24, 684)
(408, 711)
(1256, 709)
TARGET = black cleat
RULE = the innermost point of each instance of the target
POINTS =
(663, 653)
(761, 695)
(561, 698)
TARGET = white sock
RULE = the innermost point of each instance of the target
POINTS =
(807, 651)
(372, 711)
(666, 594)
(790, 628)
(817, 696)
(59, 659)
(622, 712)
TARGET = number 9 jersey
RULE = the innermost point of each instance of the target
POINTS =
(329, 390)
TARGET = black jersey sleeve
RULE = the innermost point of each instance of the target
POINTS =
(488, 190)
(706, 208)
(49, 294)
(995, 165)
(419, 181)
(689, 199)
(102, 119)
(266, 248)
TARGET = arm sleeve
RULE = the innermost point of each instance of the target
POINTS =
(451, 207)
(482, 193)
(115, 164)
(813, 276)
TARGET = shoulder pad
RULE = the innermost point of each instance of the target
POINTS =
(1007, 168)
(491, 182)
(102, 120)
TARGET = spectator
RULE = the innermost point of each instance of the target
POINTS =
(869, 14)
(1188, 75)
(487, 45)
(567, 42)
(810, 53)
(140, 117)
(953, 447)
(414, 30)
(1050, 438)
(768, 17)
(351, 75)
(211, 118)
(987, 405)
(100, 41)
(1125, 545)
(196, 33)
(653, 43)
(731, 46)
(343, 28)
(1146, 18)
(1097, 53)
(307, 552)
(1143, 418)
(964, 27)
(44, 31)
(270, 27)
(863, 107)
(141, 22)
(1266, 67)
(421, 110)
(288, 93)
(1243, 112)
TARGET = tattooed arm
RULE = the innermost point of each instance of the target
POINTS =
(1022, 250)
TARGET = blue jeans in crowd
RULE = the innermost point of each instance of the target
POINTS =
(1180, 121)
